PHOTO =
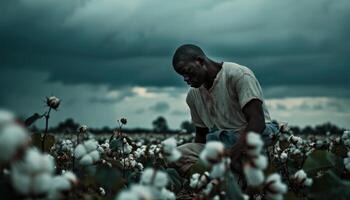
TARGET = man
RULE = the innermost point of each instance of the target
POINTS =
(225, 100)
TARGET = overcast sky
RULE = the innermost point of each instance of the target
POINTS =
(108, 59)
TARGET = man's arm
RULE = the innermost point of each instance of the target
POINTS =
(201, 134)
(254, 114)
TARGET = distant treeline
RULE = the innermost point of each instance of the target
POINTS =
(160, 126)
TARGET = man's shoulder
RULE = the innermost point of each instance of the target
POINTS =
(190, 94)
(235, 71)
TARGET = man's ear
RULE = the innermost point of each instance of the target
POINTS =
(200, 60)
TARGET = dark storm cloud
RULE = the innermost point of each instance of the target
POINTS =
(121, 43)
(113, 97)
(178, 113)
(160, 107)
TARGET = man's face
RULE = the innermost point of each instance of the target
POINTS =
(193, 73)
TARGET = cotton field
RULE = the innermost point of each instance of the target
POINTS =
(122, 167)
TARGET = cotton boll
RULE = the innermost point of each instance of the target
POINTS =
(275, 184)
(6, 117)
(136, 192)
(212, 152)
(260, 162)
(58, 186)
(139, 166)
(308, 182)
(255, 144)
(53, 102)
(79, 151)
(296, 140)
(61, 183)
(70, 176)
(33, 173)
(283, 156)
(12, 137)
(21, 182)
(170, 151)
(194, 181)
(143, 192)
(169, 144)
(208, 188)
(253, 175)
(82, 129)
(127, 148)
(102, 191)
(167, 195)
(199, 180)
(41, 183)
(127, 195)
(48, 163)
(301, 178)
(174, 156)
(300, 175)
(270, 196)
(245, 197)
(254, 139)
(86, 160)
(160, 179)
(90, 145)
(35, 162)
(347, 162)
(218, 170)
(95, 155)
(133, 163)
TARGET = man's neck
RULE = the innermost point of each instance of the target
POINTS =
(213, 70)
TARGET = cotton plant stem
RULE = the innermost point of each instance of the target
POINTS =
(47, 116)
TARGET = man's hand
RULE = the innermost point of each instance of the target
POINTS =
(201, 134)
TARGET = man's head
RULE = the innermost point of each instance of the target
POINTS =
(190, 62)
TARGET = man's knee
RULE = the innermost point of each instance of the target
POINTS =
(189, 155)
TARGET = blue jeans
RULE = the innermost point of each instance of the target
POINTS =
(229, 137)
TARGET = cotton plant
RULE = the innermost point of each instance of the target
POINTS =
(169, 150)
(213, 155)
(254, 164)
(87, 153)
(13, 137)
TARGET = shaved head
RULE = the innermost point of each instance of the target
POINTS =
(186, 53)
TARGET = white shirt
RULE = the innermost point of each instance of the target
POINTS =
(221, 106)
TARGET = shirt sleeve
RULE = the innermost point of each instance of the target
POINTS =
(248, 88)
(196, 120)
